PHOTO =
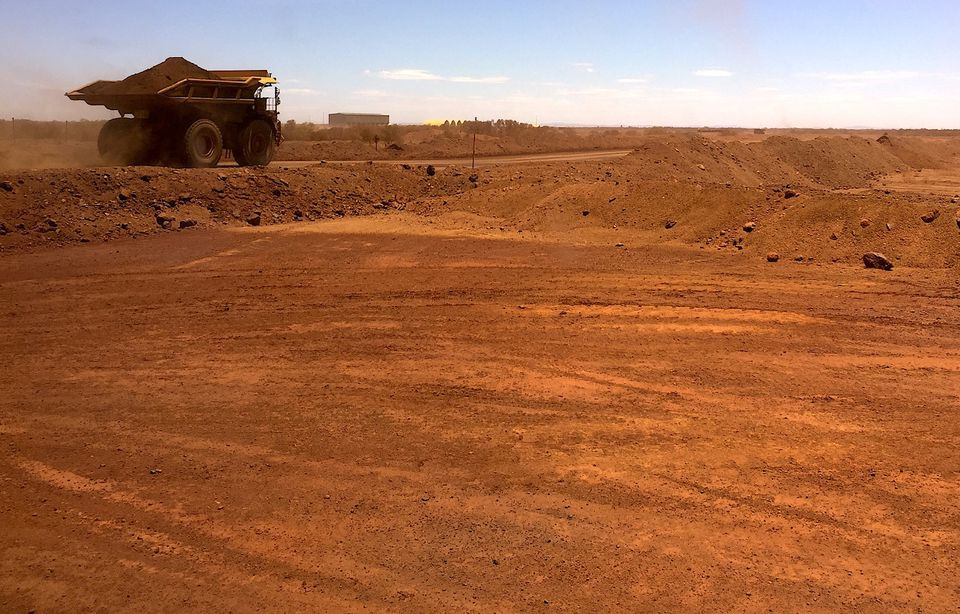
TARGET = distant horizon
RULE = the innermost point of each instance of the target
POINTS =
(572, 125)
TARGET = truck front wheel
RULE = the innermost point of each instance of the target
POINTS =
(256, 144)
(203, 144)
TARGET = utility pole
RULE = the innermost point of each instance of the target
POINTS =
(473, 163)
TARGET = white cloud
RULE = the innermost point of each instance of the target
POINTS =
(301, 90)
(409, 74)
(865, 75)
(419, 74)
(478, 79)
(590, 92)
(632, 80)
(584, 66)
(713, 72)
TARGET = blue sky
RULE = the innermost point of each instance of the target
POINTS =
(695, 62)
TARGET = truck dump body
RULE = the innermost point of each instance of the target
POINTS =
(176, 93)
(174, 80)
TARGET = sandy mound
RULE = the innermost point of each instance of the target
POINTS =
(732, 197)
(827, 162)
(59, 207)
(154, 79)
(819, 200)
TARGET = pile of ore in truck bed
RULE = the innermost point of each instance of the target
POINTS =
(152, 80)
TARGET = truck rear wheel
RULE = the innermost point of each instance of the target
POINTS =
(256, 144)
(124, 141)
(203, 144)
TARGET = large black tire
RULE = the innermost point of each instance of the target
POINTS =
(255, 145)
(124, 141)
(202, 144)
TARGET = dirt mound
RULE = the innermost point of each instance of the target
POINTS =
(154, 79)
(690, 191)
(921, 152)
(430, 142)
(825, 162)
(610, 202)
(841, 228)
(333, 150)
(59, 207)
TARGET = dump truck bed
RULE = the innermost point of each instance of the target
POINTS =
(238, 90)
(173, 81)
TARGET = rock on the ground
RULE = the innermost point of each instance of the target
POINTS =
(931, 216)
(773, 257)
(876, 260)
(165, 221)
(670, 224)
(254, 219)
(187, 223)
(790, 194)
(7, 186)
(431, 171)
(864, 223)
(749, 226)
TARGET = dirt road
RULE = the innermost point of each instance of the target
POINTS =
(570, 156)
(387, 413)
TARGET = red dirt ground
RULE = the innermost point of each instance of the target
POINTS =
(436, 396)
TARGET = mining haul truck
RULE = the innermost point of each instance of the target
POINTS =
(179, 114)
